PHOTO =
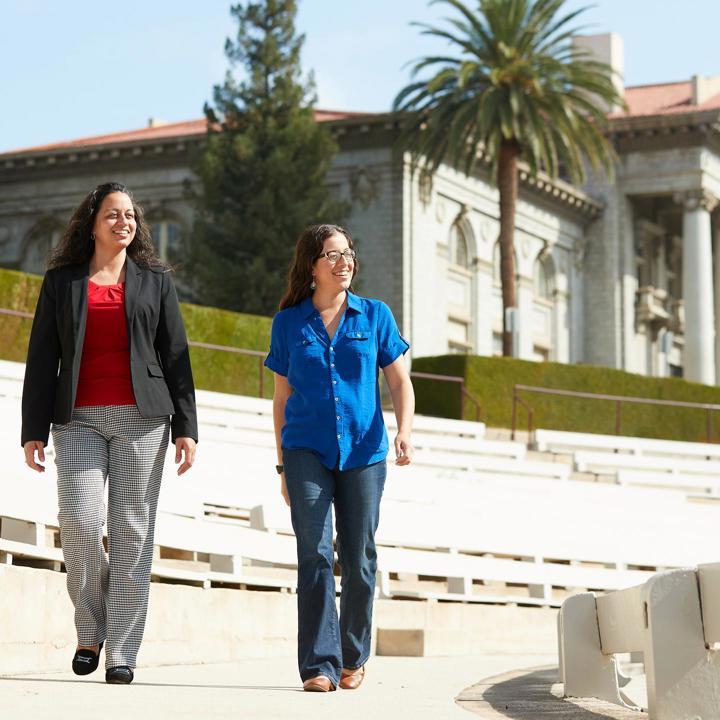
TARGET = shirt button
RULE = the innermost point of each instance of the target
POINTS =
(332, 364)
(334, 382)
(337, 399)
(338, 417)
(338, 436)
(332, 349)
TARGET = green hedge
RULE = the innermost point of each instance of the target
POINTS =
(212, 369)
(491, 380)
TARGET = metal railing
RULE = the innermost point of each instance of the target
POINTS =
(617, 399)
(464, 392)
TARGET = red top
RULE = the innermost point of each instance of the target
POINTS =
(105, 368)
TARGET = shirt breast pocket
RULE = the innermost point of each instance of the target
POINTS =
(307, 349)
(358, 342)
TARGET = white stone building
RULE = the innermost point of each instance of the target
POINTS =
(620, 273)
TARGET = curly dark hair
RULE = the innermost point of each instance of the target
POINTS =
(307, 251)
(77, 243)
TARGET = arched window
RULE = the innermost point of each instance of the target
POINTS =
(167, 237)
(459, 247)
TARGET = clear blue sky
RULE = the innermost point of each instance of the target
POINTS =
(83, 67)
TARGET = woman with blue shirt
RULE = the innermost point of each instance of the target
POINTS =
(326, 347)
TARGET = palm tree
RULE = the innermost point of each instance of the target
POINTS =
(518, 90)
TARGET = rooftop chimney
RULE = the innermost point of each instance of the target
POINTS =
(606, 48)
(703, 88)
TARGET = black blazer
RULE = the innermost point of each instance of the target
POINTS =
(159, 358)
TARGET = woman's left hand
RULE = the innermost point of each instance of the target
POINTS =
(403, 449)
(186, 446)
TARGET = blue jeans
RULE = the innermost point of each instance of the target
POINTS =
(326, 645)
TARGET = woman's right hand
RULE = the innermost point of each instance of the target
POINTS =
(30, 448)
(283, 489)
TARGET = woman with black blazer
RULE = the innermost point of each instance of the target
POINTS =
(107, 366)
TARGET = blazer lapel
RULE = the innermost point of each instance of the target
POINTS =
(133, 281)
(78, 294)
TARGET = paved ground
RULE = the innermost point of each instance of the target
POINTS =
(406, 688)
(534, 694)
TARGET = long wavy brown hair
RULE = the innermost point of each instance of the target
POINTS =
(307, 252)
(77, 243)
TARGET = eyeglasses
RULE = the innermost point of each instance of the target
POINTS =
(334, 255)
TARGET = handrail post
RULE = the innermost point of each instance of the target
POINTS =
(618, 418)
(514, 413)
(531, 425)
(709, 425)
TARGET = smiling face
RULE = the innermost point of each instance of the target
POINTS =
(115, 223)
(334, 277)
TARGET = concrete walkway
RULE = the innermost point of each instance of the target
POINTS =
(406, 688)
(535, 694)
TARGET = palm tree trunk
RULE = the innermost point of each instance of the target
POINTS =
(507, 180)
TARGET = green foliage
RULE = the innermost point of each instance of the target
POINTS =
(514, 77)
(261, 179)
(491, 379)
(212, 369)
(18, 291)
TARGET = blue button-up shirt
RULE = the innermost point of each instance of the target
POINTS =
(334, 408)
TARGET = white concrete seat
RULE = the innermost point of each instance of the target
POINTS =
(443, 426)
(672, 619)
(562, 441)
(460, 572)
(610, 462)
(495, 465)
(670, 480)
(472, 446)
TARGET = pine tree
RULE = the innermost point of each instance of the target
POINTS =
(261, 178)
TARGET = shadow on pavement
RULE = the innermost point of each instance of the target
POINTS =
(19, 678)
(528, 697)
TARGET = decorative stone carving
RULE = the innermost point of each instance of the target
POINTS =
(699, 199)
(425, 186)
(364, 185)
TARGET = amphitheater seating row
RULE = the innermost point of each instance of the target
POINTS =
(557, 441)
(673, 619)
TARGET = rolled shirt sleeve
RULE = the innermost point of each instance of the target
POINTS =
(391, 344)
(278, 357)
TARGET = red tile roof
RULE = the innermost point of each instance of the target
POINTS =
(664, 99)
(162, 131)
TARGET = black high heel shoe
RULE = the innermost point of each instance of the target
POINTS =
(86, 661)
(120, 675)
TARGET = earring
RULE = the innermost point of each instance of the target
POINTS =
(312, 284)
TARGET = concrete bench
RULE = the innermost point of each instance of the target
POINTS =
(461, 572)
(610, 462)
(471, 446)
(231, 550)
(490, 464)
(673, 619)
(561, 441)
(441, 426)
(669, 480)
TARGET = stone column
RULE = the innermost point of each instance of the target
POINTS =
(699, 354)
(561, 331)
(525, 297)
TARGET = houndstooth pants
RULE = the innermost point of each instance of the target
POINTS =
(109, 592)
